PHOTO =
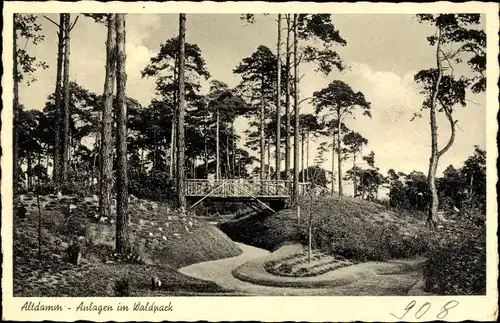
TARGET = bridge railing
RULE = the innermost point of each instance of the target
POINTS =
(242, 187)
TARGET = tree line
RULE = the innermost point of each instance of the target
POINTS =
(152, 139)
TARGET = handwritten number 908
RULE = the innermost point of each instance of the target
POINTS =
(425, 308)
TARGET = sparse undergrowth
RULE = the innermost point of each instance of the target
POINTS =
(457, 259)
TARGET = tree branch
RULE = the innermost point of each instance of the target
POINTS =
(449, 115)
(448, 60)
(471, 101)
(74, 23)
(52, 21)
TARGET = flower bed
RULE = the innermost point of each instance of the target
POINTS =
(298, 265)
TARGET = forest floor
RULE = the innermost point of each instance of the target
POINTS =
(191, 256)
(163, 239)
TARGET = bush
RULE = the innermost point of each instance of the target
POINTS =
(155, 186)
(46, 188)
(75, 226)
(78, 183)
(457, 260)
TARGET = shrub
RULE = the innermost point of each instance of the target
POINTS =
(155, 186)
(78, 184)
(75, 226)
(46, 188)
(457, 260)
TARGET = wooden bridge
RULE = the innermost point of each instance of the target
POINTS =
(242, 190)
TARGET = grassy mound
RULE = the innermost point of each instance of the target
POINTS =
(162, 238)
(364, 231)
(352, 228)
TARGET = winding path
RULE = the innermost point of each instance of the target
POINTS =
(382, 278)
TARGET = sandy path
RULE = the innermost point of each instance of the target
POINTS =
(219, 271)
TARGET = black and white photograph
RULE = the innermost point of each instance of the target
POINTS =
(154, 155)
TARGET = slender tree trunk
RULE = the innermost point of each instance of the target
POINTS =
(194, 166)
(287, 99)
(122, 234)
(239, 166)
(307, 158)
(302, 155)
(47, 159)
(333, 161)
(172, 145)
(167, 157)
(105, 182)
(39, 227)
(268, 159)
(92, 171)
(217, 147)
(278, 104)
(262, 133)
(56, 172)
(97, 148)
(234, 150)
(180, 120)
(433, 162)
(15, 103)
(309, 232)
(471, 192)
(206, 154)
(71, 148)
(29, 171)
(296, 143)
(66, 114)
(228, 164)
(339, 153)
(174, 117)
(354, 180)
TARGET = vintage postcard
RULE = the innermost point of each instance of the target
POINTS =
(249, 161)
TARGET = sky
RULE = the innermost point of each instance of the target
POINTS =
(383, 53)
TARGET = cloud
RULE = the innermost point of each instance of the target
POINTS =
(139, 28)
(137, 87)
(398, 142)
(393, 97)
